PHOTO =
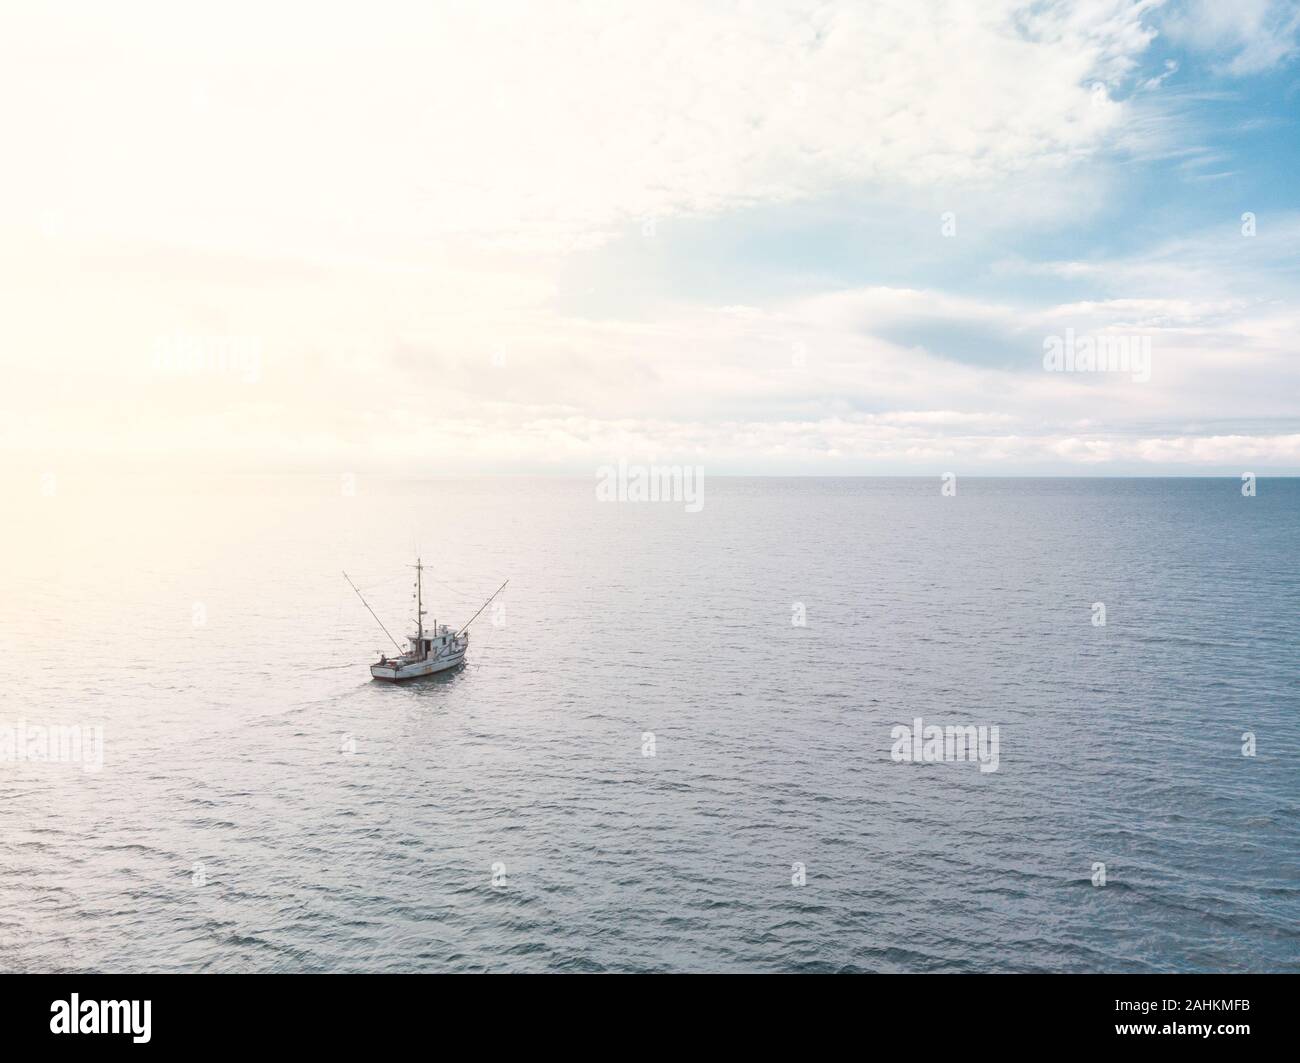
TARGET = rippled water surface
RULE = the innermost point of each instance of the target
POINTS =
(207, 627)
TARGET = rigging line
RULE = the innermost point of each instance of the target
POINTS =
(380, 583)
(452, 587)
(458, 589)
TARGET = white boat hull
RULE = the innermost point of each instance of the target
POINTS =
(394, 671)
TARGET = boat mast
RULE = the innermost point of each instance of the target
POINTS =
(419, 603)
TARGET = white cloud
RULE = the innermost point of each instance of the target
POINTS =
(381, 202)
(807, 385)
(530, 126)
(1245, 36)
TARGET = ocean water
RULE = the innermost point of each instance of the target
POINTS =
(262, 805)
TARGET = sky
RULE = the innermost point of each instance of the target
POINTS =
(763, 238)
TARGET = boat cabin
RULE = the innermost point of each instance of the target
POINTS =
(431, 645)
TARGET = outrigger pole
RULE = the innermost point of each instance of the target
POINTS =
(373, 613)
(480, 609)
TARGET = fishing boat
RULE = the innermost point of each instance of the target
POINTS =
(431, 651)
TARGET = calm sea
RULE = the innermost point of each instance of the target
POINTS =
(262, 805)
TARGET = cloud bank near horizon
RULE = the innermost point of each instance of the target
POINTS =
(818, 238)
